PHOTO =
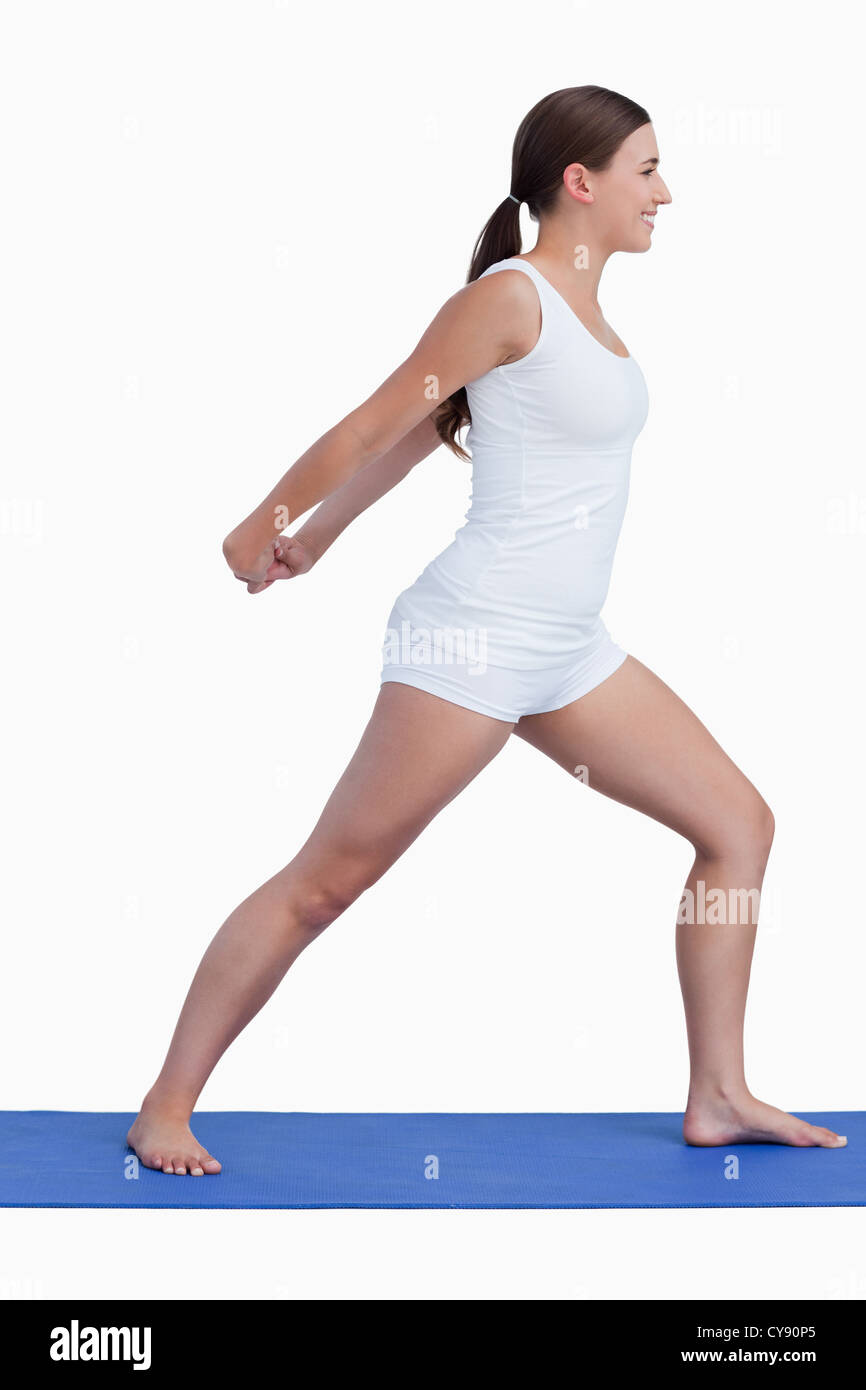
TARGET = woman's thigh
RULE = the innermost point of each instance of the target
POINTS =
(633, 739)
(416, 754)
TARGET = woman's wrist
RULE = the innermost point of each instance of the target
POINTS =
(314, 539)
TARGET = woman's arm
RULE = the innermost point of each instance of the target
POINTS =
(473, 331)
(333, 515)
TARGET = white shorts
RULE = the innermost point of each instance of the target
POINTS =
(504, 692)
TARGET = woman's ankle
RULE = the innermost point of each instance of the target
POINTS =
(710, 1090)
(167, 1104)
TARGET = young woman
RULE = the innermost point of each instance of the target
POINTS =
(502, 632)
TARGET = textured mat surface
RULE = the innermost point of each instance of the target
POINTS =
(61, 1158)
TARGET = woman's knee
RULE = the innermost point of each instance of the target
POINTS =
(743, 831)
(318, 899)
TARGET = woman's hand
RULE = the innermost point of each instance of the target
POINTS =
(283, 558)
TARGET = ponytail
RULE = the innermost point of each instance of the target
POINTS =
(499, 239)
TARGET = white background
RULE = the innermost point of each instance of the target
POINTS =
(225, 225)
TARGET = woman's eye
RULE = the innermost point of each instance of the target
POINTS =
(648, 171)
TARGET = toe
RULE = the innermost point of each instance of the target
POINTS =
(831, 1140)
(197, 1170)
(180, 1168)
(212, 1165)
(821, 1137)
(818, 1136)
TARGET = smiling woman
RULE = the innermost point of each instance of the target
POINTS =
(554, 401)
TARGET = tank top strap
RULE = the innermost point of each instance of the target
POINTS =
(515, 263)
(551, 302)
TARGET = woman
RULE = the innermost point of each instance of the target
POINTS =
(502, 632)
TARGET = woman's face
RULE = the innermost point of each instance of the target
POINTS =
(625, 196)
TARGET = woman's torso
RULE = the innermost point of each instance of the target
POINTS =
(551, 439)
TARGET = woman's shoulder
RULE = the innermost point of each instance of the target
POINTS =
(508, 295)
(512, 280)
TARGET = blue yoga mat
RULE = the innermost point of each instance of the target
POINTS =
(61, 1158)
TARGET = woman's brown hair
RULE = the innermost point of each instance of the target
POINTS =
(583, 125)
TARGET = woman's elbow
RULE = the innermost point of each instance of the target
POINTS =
(236, 554)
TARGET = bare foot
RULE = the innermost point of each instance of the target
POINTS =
(169, 1145)
(741, 1119)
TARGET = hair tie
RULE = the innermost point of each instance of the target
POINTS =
(518, 201)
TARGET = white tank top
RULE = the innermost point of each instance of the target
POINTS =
(551, 439)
